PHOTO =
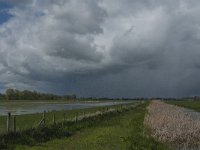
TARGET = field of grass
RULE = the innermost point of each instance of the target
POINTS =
(112, 131)
(195, 105)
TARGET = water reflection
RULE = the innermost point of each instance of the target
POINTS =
(20, 108)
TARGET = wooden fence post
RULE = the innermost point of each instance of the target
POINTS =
(14, 124)
(8, 121)
(44, 119)
(54, 118)
(76, 116)
(63, 122)
(64, 117)
(83, 114)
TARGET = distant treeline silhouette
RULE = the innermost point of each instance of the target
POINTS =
(14, 94)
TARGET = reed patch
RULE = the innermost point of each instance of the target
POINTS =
(169, 124)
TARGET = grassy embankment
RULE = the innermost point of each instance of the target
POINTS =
(195, 105)
(111, 131)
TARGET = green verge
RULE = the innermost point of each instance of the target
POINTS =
(195, 105)
(113, 131)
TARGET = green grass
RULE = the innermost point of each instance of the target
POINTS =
(113, 131)
(195, 105)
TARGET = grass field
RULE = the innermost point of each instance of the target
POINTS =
(113, 131)
(195, 105)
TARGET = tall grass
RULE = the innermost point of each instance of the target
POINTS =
(171, 125)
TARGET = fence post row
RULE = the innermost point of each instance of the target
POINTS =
(54, 118)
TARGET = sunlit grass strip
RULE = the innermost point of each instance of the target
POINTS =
(170, 124)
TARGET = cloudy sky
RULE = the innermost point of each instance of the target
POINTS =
(103, 48)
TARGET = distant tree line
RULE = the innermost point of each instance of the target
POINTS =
(109, 99)
(14, 94)
(2, 96)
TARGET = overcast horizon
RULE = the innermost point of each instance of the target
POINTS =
(101, 48)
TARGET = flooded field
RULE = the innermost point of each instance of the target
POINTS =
(19, 108)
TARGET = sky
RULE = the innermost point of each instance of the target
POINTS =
(101, 48)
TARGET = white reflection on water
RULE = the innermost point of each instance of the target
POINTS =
(19, 108)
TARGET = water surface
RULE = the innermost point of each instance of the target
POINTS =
(193, 114)
(19, 108)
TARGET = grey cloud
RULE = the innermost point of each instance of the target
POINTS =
(103, 48)
(80, 17)
(68, 48)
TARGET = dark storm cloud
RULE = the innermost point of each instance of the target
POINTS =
(17, 2)
(102, 48)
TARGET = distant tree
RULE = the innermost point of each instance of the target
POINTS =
(2, 96)
(14, 94)
(10, 94)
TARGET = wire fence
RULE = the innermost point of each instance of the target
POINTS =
(12, 123)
